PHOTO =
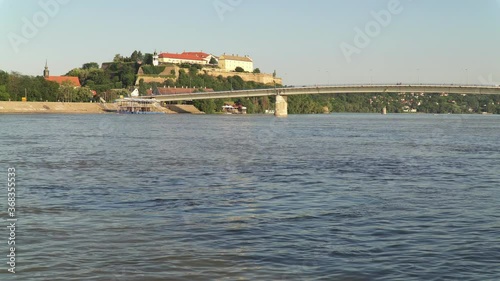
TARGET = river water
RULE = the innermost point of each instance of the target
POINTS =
(325, 197)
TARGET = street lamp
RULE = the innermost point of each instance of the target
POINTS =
(418, 75)
(467, 76)
(371, 76)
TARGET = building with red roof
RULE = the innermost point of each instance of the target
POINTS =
(186, 57)
(61, 80)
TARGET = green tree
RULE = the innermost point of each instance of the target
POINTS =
(143, 90)
(134, 57)
(4, 96)
(118, 58)
(4, 78)
(257, 70)
(239, 69)
(207, 106)
(148, 59)
(128, 80)
(169, 83)
(155, 89)
(90, 65)
(213, 61)
(140, 56)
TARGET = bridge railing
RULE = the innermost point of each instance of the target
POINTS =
(309, 87)
(390, 84)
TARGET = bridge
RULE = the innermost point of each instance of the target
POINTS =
(282, 94)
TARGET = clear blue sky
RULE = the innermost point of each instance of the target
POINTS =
(434, 41)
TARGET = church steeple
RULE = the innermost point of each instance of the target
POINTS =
(156, 62)
(46, 71)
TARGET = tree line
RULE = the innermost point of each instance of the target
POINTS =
(14, 86)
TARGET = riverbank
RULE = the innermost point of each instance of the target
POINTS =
(12, 107)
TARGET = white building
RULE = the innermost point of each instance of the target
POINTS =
(230, 63)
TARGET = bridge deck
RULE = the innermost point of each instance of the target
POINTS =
(338, 89)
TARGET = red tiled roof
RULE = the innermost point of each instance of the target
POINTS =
(174, 91)
(198, 54)
(185, 56)
(61, 79)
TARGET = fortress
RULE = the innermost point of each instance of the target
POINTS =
(224, 65)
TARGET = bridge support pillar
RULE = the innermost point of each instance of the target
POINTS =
(281, 109)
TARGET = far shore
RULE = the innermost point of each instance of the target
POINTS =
(17, 107)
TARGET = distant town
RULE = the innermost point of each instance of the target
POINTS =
(164, 73)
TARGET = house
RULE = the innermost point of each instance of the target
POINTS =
(186, 57)
(61, 80)
(234, 109)
(230, 63)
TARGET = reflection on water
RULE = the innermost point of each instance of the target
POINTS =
(338, 197)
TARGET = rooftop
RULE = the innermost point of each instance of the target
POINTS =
(236, 58)
(64, 79)
(200, 56)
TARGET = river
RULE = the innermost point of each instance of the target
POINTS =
(314, 197)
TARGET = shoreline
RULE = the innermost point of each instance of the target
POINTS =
(47, 108)
(16, 107)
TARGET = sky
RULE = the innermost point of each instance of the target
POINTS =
(307, 42)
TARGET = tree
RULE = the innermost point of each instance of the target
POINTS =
(148, 59)
(134, 56)
(140, 56)
(118, 58)
(143, 90)
(257, 70)
(4, 77)
(155, 89)
(213, 61)
(239, 69)
(169, 83)
(207, 106)
(90, 65)
(4, 96)
(128, 79)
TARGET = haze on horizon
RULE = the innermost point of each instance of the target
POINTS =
(306, 42)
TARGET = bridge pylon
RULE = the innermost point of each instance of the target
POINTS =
(281, 108)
